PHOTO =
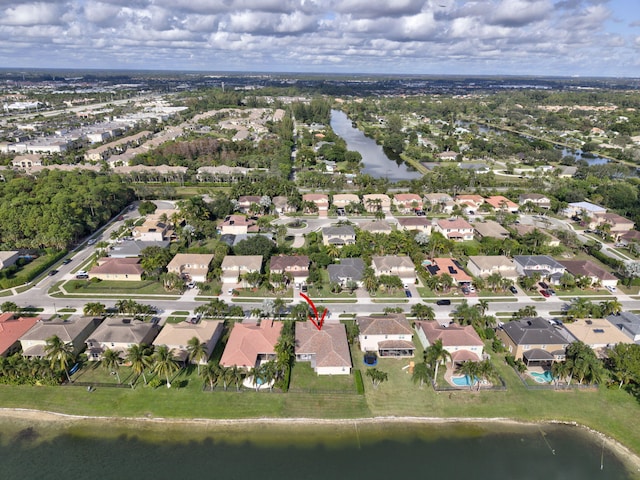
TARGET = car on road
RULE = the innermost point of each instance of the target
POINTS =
(545, 294)
(513, 289)
(408, 293)
(66, 261)
(52, 272)
(92, 241)
(443, 302)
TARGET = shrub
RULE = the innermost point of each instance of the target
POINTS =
(359, 383)
(154, 383)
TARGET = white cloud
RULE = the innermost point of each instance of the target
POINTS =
(31, 14)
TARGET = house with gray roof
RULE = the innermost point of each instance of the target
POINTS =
(546, 266)
(535, 340)
(74, 331)
(133, 249)
(295, 266)
(401, 266)
(119, 334)
(628, 323)
(491, 229)
(339, 235)
(326, 349)
(349, 269)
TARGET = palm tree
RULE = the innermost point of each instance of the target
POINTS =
(610, 307)
(236, 376)
(94, 308)
(197, 351)
(111, 360)
(225, 376)
(138, 356)
(486, 371)
(560, 371)
(470, 369)
(164, 363)
(377, 376)
(421, 373)
(210, 373)
(279, 305)
(483, 306)
(436, 354)
(423, 312)
(59, 354)
(256, 376)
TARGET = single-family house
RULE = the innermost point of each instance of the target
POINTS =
(155, 227)
(398, 265)
(349, 269)
(499, 202)
(74, 331)
(585, 268)
(251, 344)
(418, 224)
(340, 235)
(544, 265)
(8, 258)
(469, 203)
(580, 209)
(191, 266)
(238, 225)
(630, 237)
(438, 202)
(235, 266)
(375, 202)
(618, 225)
(537, 199)
(448, 156)
(12, 328)
(376, 226)
(598, 333)
(27, 161)
(490, 229)
(342, 200)
(462, 342)
(133, 249)
(111, 268)
(296, 267)
(281, 204)
(407, 202)
(246, 202)
(485, 265)
(535, 340)
(326, 349)
(320, 200)
(451, 267)
(628, 323)
(456, 229)
(119, 334)
(389, 335)
(176, 337)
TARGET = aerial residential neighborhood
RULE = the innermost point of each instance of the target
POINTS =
(248, 249)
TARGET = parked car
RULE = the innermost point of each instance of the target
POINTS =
(551, 291)
(513, 289)
(82, 276)
(543, 285)
(545, 294)
(612, 289)
(443, 302)
(408, 293)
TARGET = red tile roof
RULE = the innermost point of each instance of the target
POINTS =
(11, 329)
(248, 340)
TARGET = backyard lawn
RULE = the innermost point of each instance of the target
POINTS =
(144, 287)
(304, 379)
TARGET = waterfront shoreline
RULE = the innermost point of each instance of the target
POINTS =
(631, 459)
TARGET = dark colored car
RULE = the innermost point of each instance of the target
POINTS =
(53, 272)
(407, 293)
(443, 302)
(66, 261)
(545, 294)
(513, 289)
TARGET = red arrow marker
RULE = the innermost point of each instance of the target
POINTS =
(318, 322)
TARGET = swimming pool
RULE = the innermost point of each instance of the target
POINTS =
(464, 381)
(545, 377)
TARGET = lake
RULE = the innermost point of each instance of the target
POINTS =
(376, 162)
(115, 449)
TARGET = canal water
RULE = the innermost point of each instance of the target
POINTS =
(376, 162)
(104, 450)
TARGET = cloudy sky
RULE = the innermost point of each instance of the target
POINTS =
(543, 37)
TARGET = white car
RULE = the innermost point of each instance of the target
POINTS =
(612, 289)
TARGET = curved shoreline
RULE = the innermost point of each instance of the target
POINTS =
(624, 454)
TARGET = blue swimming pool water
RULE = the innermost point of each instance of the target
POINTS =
(542, 377)
(463, 381)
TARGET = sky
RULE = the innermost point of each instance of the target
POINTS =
(469, 37)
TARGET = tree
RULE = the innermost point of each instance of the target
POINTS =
(140, 359)
(369, 280)
(94, 309)
(111, 361)
(377, 376)
(470, 370)
(197, 351)
(436, 354)
(9, 307)
(423, 312)
(623, 361)
(164, 363)
(59, 354)
(483, 306)
(421, 373)
(236, 375)
(210, 373)
(279, 306)
(146, 207)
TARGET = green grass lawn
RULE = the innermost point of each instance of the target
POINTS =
(145, 287)
(304, 379)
